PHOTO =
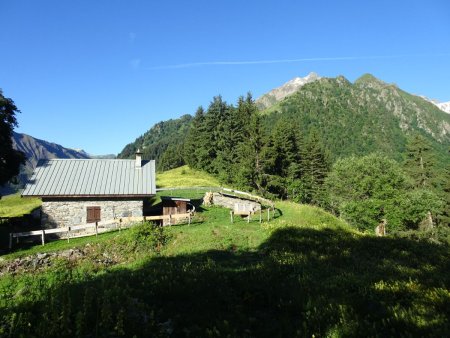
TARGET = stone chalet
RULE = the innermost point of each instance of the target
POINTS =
(79, 191)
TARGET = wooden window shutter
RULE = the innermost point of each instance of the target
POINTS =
(93, 214)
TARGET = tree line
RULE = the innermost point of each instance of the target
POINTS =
(235, 143)
(231, 142)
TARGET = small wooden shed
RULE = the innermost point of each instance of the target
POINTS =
(174, 205)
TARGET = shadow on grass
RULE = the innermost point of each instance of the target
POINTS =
(300, 282)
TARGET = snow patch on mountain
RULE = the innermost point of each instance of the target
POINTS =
(444, 106)
(286, 89)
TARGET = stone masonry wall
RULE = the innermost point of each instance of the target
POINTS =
(57, 214)
(231, 202)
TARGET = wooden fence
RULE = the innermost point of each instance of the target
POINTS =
(96, 228)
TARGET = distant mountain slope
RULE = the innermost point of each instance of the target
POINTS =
(353, 118)
(290, 87)
(363, 117)
(36, 149)
(157, 139)
(444, 106)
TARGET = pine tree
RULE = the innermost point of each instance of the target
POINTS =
(249, 171)
(172, 157)
(281, 158)
(444, 215)
(194, 143)
(419, 162)
(315, 166)
(214, 140)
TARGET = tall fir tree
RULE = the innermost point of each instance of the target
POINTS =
(194, 146)
(420, 162)
(215, 126)
(249, 171)
(315, 166)
(281, 158)
(444, 216)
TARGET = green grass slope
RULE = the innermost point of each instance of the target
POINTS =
(305, 273)
(185, 177)
(16, 206)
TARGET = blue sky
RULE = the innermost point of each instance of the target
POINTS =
(97, 74)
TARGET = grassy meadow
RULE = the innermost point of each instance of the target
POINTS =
(185, 177)
(16, 206)
(305, 273)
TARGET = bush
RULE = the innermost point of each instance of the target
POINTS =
(148, 236)
(366, 189)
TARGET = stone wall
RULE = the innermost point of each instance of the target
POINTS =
(231, 202)
(57, 214)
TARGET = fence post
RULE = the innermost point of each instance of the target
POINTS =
(10, 240)
(43, 237)
(260, 215)
(268, 214)
(189, 219)
(120, 224)
(231, 215)
(96, 229)
(170, 219)
(68, 234)
(248, 219)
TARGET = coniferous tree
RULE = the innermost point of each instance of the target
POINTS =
(444, 216)
(172, 157)
(231, 138)
(249, 171)
(315, 166)
(281, 158)
(194, 144)
(214, 141)
(419, 162)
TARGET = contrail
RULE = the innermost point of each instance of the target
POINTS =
(261, 62)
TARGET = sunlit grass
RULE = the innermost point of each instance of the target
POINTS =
(185, 177)
(305, 270)
(16, 206)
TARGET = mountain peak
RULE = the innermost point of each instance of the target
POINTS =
(370, 81)
(286, 89)
(368, 78)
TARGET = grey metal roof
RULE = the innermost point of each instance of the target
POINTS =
(91, 178)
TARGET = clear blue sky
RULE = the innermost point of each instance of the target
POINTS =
(97, 74)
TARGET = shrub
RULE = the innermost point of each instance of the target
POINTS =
(148, 236)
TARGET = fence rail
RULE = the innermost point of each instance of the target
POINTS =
(97, 227)
(262, 200)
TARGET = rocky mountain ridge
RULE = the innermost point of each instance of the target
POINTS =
(366, 116)
(290, 87)
(36, 149)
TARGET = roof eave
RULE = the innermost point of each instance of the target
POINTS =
(92, 196)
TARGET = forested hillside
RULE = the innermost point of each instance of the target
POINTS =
(165, 137)
(360, 118)
(389, 147)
